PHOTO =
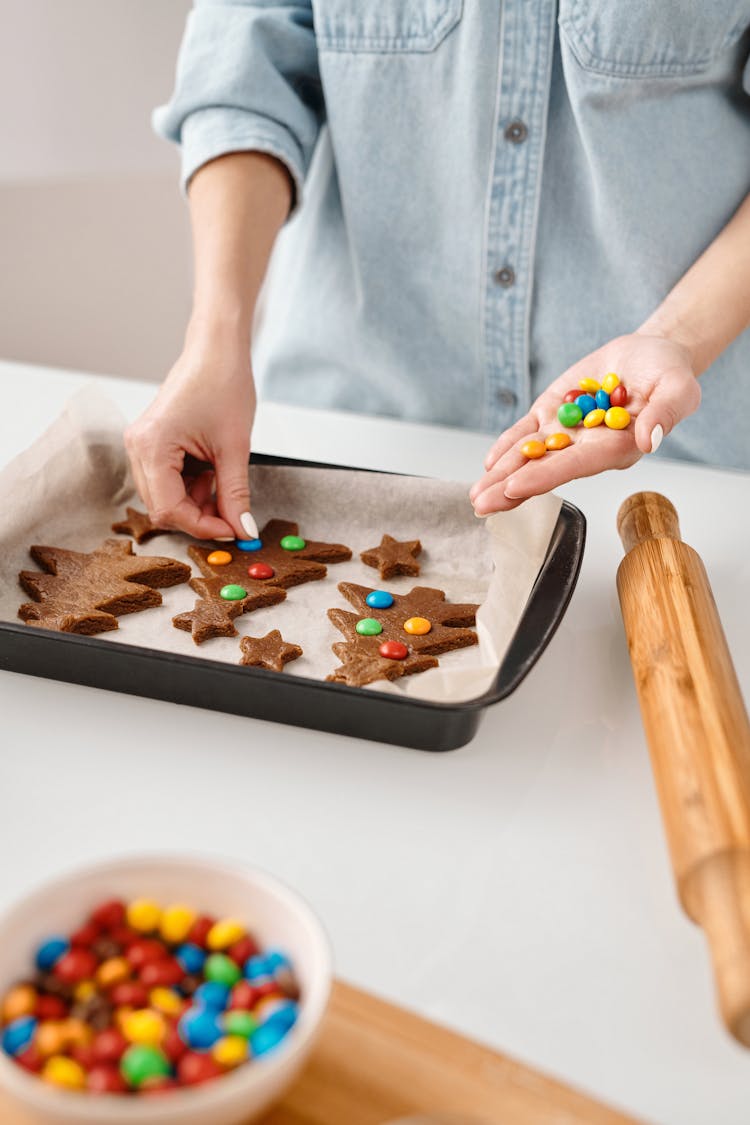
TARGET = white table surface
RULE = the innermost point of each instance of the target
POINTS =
(517, 889)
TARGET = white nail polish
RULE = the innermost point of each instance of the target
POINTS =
(656, 438)
(249, 525)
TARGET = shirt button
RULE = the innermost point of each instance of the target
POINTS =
(516, 132)
(505, 277)
(506, 397)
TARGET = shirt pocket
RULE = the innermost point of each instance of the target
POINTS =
(651, 38)
(384, 26)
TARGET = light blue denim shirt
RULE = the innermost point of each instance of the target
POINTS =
(486, 190)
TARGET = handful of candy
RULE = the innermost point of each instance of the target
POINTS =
(593, 404)
(142, 999)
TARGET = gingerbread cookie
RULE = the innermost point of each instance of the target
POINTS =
(394, 635)
(271, 651)
(138, 525)
(253, 576)
(86, 593)
(392, 557)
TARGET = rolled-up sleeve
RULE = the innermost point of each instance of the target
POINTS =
(247, 80)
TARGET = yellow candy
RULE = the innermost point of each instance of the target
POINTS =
(590, 386)
(230, 1051)
(617, 418)
(609, 382)
(178, 918)
(20, 1001)
(594, 418)
(219, 558)
(143, 914)
(112, 972)
(417, 626)
(84, 990)
(143, 1026)
(64, 1072)
(50, 1037)
(225, 932)
(558, 441)
(533, 449)
(165, 1001)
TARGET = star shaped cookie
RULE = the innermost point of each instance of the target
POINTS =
(271, 651)
(393, 557)
(138, 525)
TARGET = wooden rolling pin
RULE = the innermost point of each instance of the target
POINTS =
(698, 735)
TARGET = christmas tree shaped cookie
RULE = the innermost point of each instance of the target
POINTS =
(249, 574)
(86, 593)
(394, 635)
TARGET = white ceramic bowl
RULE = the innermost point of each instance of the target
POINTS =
(277, 916)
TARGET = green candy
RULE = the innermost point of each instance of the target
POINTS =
(233, 593)
(368, 627)
(223, 969)
(240, 1023)
(569, 413)
(143, 1061)
(292, 543)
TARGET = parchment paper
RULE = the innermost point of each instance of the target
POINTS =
(69, 487)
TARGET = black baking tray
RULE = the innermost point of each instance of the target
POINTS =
(316, 704)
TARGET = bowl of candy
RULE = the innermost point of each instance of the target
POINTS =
(158, 989)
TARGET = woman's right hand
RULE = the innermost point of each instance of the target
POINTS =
(204, 408)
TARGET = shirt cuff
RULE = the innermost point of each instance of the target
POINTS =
(218, 130)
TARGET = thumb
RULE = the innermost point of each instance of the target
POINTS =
(233, 492)
(670, 401)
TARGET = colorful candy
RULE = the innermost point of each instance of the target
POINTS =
(590, 386)
(143, 999)
(586, 404)
(602, 400)
(417, 626)
(594, 418)
(261, 571)
(248, 544)
(393, 650)
(616, 417)
(219, 558)
(572, 395)
(233, 592)
(533, 449)
(619, 396)
(379, 599)
(569, 414)
(368, 627)
(558, 441)
(609, 382)
(292, 543)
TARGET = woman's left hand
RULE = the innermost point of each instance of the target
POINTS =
(662, 387)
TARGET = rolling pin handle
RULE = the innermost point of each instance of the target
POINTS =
(646, 515)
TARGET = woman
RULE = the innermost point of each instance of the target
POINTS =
(481, 193)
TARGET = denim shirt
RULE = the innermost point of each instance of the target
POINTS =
(486, 190)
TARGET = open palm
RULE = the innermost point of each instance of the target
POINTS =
(662, 388)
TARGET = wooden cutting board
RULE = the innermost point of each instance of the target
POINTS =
(376, 1062)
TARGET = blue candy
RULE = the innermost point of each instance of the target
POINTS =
(200, 1029)
(191, 957)
(18, 1035)
(587, 403)
(602, 400)
(268, 1036)
(276, 960)
(212, 995)
(50, 952)
(257, 967)
(285, 1016)
(248, 544)
(379, 599)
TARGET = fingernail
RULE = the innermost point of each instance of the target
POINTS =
(223, 539)
(656, 438)
(509, 493)
(249, 526)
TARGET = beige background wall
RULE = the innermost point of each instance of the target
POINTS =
(94, 251)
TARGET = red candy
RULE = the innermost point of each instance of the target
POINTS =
(244, 996)
(192, 1069)
(31, 1059)
(243, 949)
(619, 396)
(154, 1086)
(125, 937)
(105, 1079)
(261, 570)
(76, 965)
(145, 951)
(266, 988)
(199, 930)
(50, 1008)
(109, 915)
(164, 973)
(129, 994)
(85, 935)
(393, 650)
(83, 1055)
(109, 1046)
(571, 396)
(173, 1045)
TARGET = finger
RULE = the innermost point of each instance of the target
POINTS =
(171, 506)
(520, 429)
(590, 454)
(137, 469)
(670, 401)
(200, 488)
(233, 491)
(494, 480)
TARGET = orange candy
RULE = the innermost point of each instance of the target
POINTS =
(20, 1001)
(558, 441)
(219, 558)
(112, 972)
(533, 449)
(417, 626)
